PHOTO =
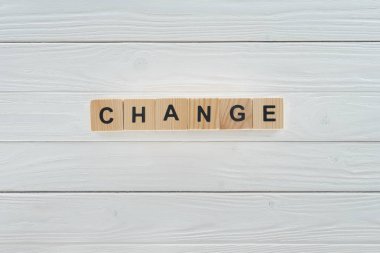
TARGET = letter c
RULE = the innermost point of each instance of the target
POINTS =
(101, 115)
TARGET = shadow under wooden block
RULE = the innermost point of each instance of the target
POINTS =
(139, 114)
(204, 113)
(172, 114)
(107, 115)
(235, 113)
(268, 113)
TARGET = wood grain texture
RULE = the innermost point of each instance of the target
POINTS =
(139, 114)
(172, 114)
(190, 248)
(197, 20)
(107, 115)
(204, 67)
(268, 113)
(190, 218)
(204, 113)
(309, 117)
(235, 113)
(324, 62)
(189, 166)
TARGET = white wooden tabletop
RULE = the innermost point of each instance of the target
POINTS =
(312, 187)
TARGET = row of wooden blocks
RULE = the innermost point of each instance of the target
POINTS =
(186, 114)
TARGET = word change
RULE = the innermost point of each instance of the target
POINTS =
(186, 114)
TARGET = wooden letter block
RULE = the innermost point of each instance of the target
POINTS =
(204, 113)
(172, 114)
(107, 115)
(235, 113)
(268, 113)
(139, 114)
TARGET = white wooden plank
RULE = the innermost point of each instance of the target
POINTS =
(308, 117)
(191, 166)
(190, 248)
(190, 218)
(196, 20)
(155, 67)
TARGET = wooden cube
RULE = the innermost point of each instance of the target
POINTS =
(172, 114)
(268, 113)
(235, 113)
(204, 113)
(139, 114)
(107, 115)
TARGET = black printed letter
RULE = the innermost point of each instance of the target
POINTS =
(266, 112)
(170, 112)
(202, 112)
(241, 114)
(134, 114)
(101, 115)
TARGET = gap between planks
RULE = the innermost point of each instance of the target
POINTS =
(189, 192)
(187, 247)
(184, 41)
(195, 94)
(180, 141)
